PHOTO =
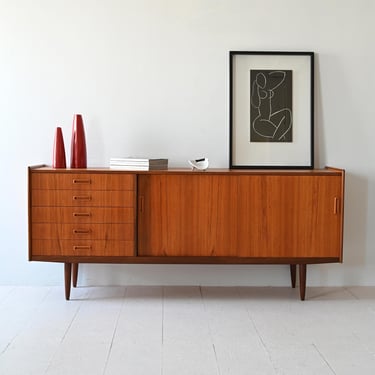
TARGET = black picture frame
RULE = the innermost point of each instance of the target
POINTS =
(271, 110)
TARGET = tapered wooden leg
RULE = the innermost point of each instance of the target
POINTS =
(293, 273)
(75, 274)
(68, 279)
(302, 281)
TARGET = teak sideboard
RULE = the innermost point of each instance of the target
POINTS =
(292, 217)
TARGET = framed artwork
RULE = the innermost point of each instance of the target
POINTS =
(271, 109)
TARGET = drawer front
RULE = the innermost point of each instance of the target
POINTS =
(122, 232)
(78, 198)
(82, 248)
(82, 181)
(82, 215)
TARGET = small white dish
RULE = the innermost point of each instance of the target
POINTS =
(200, 164)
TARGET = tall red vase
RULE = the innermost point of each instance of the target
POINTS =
(78, 154)
(58, 156)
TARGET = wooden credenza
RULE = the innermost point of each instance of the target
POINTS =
(292, 217)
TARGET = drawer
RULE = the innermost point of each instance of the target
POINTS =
(82, 181)
(79, 198)
(45, 214)
(122, 232)
(82, 248)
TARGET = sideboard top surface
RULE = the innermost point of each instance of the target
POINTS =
(210, 171)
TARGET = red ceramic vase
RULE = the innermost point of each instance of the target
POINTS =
(78, 153)
(58, 157)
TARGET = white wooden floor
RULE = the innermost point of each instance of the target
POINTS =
(186, 330)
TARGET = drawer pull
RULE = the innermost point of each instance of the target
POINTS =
(75, 248)
(141, 203)
(81, 198)
(336, 206)
(81, 214)
(81, 231)
(81, 181)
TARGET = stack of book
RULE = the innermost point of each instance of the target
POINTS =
(138, 164)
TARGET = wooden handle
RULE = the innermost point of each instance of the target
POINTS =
(81, 181)
(81, 197)
(75, 248)
(79, 214)
(336, 205)
(81, 231)
(141, 203)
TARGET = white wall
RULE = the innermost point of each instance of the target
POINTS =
(151, 78)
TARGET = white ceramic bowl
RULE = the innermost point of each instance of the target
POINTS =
(201, 164)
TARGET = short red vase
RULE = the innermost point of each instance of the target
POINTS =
(58, 157)
(78, 153)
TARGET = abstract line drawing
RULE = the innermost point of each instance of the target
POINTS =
(271, 116)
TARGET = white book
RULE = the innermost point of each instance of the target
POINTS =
(138, 161)
(138, 167)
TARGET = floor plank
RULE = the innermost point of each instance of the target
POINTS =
(41, 336)
(137, 339)
(187, 347)
(5, 291)
(85, 346)
(16, 310)
(239, 349)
